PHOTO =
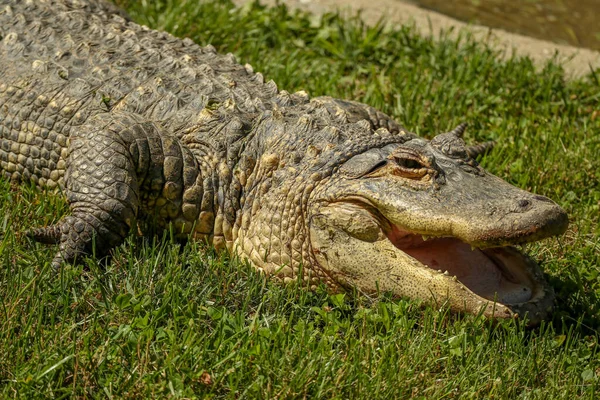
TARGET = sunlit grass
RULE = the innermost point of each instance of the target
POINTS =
(165, 320)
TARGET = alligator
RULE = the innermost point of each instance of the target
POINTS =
(141, 130)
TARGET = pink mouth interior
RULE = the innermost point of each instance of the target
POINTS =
(494, 274)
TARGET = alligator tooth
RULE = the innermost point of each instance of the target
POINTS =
(425, 237)
(446, 272)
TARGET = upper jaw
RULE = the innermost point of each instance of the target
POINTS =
(514, 218)
(544, 219)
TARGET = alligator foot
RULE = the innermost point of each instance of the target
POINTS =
(76, 235)
(102, 191)
(119, 167)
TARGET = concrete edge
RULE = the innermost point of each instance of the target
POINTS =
(575, 61)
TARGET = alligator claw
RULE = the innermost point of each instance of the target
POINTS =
(74, 235)
(46, 235)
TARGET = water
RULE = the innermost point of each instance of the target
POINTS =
(574, 22)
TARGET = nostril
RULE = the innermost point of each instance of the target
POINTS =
(524, 203)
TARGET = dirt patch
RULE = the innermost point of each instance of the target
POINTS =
(576, 61)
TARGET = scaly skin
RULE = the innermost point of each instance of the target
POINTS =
(139, 127)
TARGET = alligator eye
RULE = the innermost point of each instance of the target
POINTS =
(409, 163)
(409, 167)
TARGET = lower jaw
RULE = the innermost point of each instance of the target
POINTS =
(482, 271)
(510, 282)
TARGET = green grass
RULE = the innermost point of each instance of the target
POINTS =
(165, 320)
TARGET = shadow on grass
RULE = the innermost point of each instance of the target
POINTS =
(574, 306)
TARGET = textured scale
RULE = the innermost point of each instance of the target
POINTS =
(137, 125)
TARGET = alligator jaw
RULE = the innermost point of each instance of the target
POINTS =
(360, 248)
(501, 275)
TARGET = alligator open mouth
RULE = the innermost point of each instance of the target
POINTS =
(500, 274)
(358, 246)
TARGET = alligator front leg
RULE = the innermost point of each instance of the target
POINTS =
(108, 160)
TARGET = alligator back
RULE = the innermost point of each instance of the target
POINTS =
(64, 62)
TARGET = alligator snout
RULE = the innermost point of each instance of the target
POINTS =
(521, 220)
(529, 203)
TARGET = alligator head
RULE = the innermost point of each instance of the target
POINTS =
(423, 220)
